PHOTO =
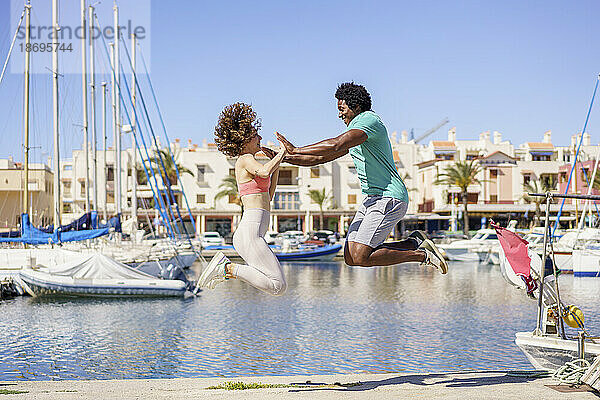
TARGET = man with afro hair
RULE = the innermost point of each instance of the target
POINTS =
(386, 197)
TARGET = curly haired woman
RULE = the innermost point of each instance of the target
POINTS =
(236, 135)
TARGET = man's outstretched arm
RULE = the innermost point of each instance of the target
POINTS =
(305, 160)
(335, 145)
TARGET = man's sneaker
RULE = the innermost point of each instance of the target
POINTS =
(418, 237)
(215, 272)
(433, 257)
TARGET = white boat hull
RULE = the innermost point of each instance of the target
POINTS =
(586, 262)
(44, 284)
(461, 254)
(552, 352)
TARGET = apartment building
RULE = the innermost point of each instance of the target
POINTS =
(205, 169)
(12, 184)
(504, 169)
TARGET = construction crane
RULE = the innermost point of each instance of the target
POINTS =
(432, 130)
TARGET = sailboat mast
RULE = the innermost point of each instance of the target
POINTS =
(26, 107)
(116, 174)
(104, 209)
(86, 145)
(93, 108)
(56, 161)
(117, 77)
(134, 168)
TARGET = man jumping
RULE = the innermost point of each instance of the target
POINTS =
(386, 201)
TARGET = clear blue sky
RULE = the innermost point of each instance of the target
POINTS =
(519, 67)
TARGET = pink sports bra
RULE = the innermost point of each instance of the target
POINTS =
(256, 185)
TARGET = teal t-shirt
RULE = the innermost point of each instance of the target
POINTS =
(374, 160)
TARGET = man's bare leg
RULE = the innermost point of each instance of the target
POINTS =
(359, 254)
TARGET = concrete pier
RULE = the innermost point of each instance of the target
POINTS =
(455, 385)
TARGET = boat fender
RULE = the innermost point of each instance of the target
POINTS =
(574, 317)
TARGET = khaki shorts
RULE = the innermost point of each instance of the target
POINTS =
(375, 219)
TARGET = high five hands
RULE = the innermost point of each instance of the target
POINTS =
(290, 148)
(284, 145)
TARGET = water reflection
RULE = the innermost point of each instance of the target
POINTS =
(332, 319)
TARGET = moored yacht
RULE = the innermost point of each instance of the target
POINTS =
(471, 249)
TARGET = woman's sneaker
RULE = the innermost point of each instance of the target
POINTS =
(433, 257)
(215, 272)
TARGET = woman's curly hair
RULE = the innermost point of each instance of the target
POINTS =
(354, 95)
(237, 125)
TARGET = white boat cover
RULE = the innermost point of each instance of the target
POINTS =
(95, 266)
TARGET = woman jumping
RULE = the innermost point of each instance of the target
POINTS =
(236, 135)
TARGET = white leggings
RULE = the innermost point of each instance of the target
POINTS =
(263, 270)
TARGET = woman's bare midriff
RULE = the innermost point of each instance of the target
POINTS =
(257, 200)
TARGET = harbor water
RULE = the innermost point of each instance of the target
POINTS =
(332, 319)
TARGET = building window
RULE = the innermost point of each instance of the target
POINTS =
(449, 157)
(493, 198)
(128, 171)
(563, 177)
(82, 192)
(231, 171)
(200, 176)
(471, 157)
(493, 173)
(315, 172)
(286, 201)
(200, 198)
(585, 172)
(110, 174)
(68, 167)
(285, 177)
(67, 209)
(351, 199)
(541, 158)
(67, 188)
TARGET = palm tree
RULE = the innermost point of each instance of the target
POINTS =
(461, 174)
(319, 197)
(164, 157)
(532, 187)
(546, 184)
(229, 189)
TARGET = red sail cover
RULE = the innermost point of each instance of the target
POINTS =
(515, 250)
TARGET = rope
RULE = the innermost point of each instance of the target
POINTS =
(158, 199)
(166, 135)
(587, 118)
(164, 176)
(572, 372)
(159, 155)
(12, 45)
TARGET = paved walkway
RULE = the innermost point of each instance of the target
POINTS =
(463, 386)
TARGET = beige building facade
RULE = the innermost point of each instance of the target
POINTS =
(12, 184)
(505, 169)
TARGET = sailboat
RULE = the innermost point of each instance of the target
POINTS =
(549, 346)
(49, 270)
